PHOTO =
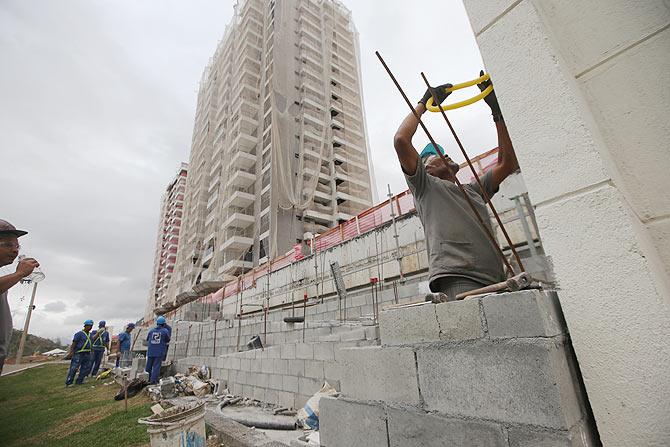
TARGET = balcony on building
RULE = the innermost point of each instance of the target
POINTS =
(318, 217)
(234, 267)
(244, 142)
(239, 199)
(241, 180)
(237, 243)
(238, 220)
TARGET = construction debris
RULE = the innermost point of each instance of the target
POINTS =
(196, 383)
(308, 416)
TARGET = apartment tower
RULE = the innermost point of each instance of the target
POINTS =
(279, 143)
(172, 205)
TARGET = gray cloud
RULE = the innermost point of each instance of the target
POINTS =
(55, 307)
(97, 113)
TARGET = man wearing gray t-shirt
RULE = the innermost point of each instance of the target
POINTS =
(9, 250)
(461, 256)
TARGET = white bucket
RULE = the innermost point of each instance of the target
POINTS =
(185, 431)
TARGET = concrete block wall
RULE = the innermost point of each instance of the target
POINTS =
(286, 375)
(496, 370)
(591, 138)
(322, 323)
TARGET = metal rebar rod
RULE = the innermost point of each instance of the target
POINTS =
(188, 339)
(214, 348)
(487, 199)
(304, 316)
(458, 183)
(176, 340)
(396, 237)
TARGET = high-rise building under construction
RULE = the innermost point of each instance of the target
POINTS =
(279, 143)
(169, 224)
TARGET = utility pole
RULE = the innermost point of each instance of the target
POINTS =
(22, 344)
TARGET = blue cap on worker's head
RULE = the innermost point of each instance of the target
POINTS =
(131, 325)
(102, 323)
(430, 150)
(160, 320)
(88, 323)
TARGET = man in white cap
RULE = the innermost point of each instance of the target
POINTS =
(9, 250)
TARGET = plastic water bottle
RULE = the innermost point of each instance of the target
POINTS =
(36, 275)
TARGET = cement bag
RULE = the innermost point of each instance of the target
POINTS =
(308, 416)
(196, 387)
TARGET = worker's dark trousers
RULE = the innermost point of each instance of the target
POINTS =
(80, 361)
(96, 359)
(154, 368)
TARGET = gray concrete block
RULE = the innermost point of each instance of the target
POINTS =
(409, 428)
(526, 382)
(527, 313)
(308, 386)
(259, 393)
(406, 325)
(314, 369)
(353, 334)
(296, 367)
(290, 383)
(280, 366)
(285, 399)
(272, 396)
(288, 351)
(459, 320)
(324, 351)
(304, 351)
(344, 423)
(276, 382)
(376, 373)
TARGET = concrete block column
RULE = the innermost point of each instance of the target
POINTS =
(594, 161)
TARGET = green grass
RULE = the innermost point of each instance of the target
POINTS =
(37, 410)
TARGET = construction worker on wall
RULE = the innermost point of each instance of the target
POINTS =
(100, 339)
(461, 257)
(123, 347)
(80, 352)
(157, 340)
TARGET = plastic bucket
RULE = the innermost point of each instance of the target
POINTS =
(185, 429)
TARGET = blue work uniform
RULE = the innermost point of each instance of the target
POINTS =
(99, 345)
(81, 358)
(124, 345)
(157, 340)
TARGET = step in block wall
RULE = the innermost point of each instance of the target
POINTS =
(503, 359)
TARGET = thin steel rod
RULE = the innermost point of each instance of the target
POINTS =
(176, 340)
(214, 348)
(487, 199)
(458, 183)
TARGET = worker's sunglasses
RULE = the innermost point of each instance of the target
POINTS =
(10, 245)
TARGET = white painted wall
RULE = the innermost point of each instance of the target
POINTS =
(584, 87)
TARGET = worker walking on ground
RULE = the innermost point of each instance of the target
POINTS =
(80, 350)
(100, 339)
(9, 250)
(461, 256)
(157, 339)
(123, 347)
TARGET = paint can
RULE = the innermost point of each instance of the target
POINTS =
(185, 428)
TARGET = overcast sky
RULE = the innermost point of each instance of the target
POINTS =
(98, 99)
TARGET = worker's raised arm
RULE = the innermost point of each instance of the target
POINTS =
(402, 141)
(507, 162)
